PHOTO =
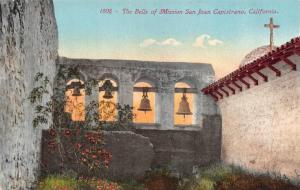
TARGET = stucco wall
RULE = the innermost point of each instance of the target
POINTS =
(28, 44)
(261, 125)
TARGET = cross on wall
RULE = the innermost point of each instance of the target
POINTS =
(271, 26)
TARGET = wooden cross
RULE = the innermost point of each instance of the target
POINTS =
(271, 26)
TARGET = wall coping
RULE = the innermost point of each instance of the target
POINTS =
(153, 126)
(135, 64)
(156, 126)
(216, 89)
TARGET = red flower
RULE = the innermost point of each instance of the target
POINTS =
(67, 132)
(52, 132)
(52, 145)
(94, 156)
(78, 145)
(93, 141)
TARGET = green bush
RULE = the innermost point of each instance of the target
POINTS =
(208, 177)
(205, 184)
(251, 181)
(69, 183)
(58, 183)
(222, 177)
(216, 173)
(131, 185)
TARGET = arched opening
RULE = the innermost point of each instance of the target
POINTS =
(108, 99)
(75, 100)
(144, 102)
(184, 106)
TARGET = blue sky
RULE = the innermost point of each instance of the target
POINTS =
(222, 40)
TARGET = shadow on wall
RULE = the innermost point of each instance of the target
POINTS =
(183, 150)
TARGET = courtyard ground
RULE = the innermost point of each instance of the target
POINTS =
(216, 177)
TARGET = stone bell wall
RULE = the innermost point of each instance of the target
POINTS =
(178, 147)
(28, 44)
(163, 75)
(261, 125)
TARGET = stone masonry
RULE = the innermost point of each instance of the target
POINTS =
(180, 148)
(28, 44)
(163, 75)
(132, 155)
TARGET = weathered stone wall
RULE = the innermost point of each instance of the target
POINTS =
(164, 75)
(28, 44)
(135, 153)
(132, 155)
(181, 150)
(261, 126)
(177, 147)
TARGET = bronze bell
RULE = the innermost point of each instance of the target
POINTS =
(145, 103)
(108, 95)
(76, 89)
(184, 107)
(108, 86)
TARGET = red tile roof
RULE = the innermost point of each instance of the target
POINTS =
(280, 53)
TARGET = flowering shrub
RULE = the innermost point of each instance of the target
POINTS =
(105, 185)
(81, 146)
(80, 143)
(90, 153)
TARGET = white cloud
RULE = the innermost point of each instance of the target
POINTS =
(167, 42)
(205, 39)
(171, 42)
(215, 42)
(200, 40)
(148, 42)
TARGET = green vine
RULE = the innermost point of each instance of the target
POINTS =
(89, 153)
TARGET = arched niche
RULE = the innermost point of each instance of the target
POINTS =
(75, 99)
(108, 98)
(186, 95)
(145, 86)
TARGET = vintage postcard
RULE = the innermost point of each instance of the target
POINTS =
(149, 95)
